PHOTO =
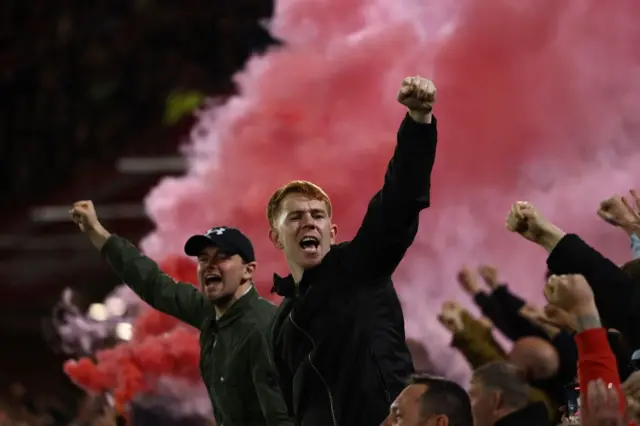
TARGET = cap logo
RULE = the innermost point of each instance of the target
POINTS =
(217, 231)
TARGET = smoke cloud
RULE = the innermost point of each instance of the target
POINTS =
(537, 101)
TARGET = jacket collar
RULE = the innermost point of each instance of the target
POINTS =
(283, 286)
(532, 414)
(286, 286)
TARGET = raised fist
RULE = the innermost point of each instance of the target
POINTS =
(570, 293)
(468, 281)
(417, 94)
(83, 213)
(524, 219)
(490, 275)
(451, 316)
(619, 212)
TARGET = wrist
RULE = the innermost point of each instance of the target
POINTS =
(587, 317)
(550, 237)
(420, 116)
(98, 236)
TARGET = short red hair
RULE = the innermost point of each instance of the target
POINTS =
(303, 187)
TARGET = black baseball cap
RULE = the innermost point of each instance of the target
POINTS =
(229, 240)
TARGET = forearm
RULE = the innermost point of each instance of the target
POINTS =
(153, 286)
(608, 282)
(595, 358)
(98, 237)
(550, 238)
(408, 176)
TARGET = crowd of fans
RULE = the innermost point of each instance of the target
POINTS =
(566, 353)
(82, 81)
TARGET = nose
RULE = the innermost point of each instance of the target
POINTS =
(307, 220)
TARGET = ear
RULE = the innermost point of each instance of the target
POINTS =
(441, 420)
(249, 269)
(496, 400)
(275, 239)
(333, 232)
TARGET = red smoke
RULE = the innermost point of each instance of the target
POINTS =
(161, 346)
(537, 100)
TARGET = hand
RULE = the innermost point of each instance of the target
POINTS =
(83, 213)
(468, 281)
(559, 318)
(418, 95)
(451, 317)
(537, 317)
(524, 219)
(490, 276)
(631, 388)
(602, 408)
(570, 293)
(617, 211)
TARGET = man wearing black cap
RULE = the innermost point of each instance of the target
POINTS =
(235, 362)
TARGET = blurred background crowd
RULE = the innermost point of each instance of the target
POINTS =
(84, 84)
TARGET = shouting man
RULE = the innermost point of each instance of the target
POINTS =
(234, 359)
(338, 337)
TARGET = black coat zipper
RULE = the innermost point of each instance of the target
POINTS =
(380, 377)
(313, 346)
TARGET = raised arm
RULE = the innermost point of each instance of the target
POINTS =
(391, 222)
(140, 273)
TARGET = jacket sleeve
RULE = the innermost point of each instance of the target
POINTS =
(596, 361)
(475, 349)
(265, 381)
(180, 300)
(511, 304)
(391, 221)
(615, 293)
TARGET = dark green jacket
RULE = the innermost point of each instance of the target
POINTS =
(235, 362)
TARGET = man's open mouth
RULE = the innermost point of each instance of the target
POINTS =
(212, 279)
(309, 244)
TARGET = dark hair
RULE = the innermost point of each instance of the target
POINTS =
(444, 397)
(506, 378)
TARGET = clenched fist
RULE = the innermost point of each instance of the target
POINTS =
(451, 316)
(570, 293)
(83, 213)
(418, 95)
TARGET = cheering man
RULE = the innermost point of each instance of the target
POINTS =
(234, 358)
(338, 337)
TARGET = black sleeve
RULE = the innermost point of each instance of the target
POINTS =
(518, 325)
(391, 222)
(492, 310)
(565, 345)
(615, 292)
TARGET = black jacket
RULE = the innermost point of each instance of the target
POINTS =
(338, 337)
(234, 356)
(616, 294)
(532, 415)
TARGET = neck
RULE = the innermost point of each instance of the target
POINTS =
(296, 272)
(222, 305)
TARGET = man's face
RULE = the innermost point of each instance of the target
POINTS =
(303, 230)
(406, 410)
(220, 274)
(483, 404)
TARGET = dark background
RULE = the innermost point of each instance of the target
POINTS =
(83, 84)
